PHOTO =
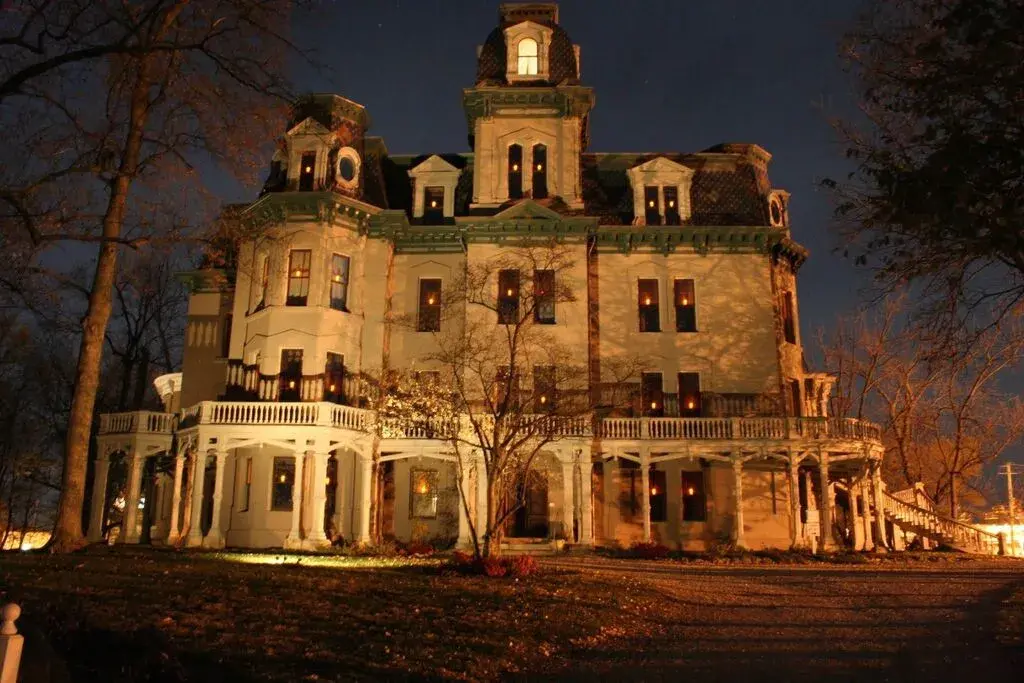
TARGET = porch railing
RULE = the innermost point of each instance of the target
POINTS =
(137, 422)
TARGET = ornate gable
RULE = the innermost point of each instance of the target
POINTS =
(309, 126)
(527, 209)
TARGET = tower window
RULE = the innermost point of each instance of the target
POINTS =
(339, 282)
(652, 396)
(647, 306)
(515, 172)
(508, 297)
(298, 276)
(347, 169)
(334, 378)
(529, 59)
(433, 205)
(544, 297)
(430, 306)
(540, 171)
(306, 171)
(689, 394)
(671, 194)
(686, 306)
(652, 212)
(788, 318)
(290, 379)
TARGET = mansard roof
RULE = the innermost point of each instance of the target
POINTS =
(492, 64)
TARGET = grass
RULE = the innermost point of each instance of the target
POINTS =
(134, 614)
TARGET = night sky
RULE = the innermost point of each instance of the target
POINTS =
(669, 75)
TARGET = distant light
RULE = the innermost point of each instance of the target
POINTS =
(515, 167)
(433, 203)
(309, 169)
(510, 292)
(291, 384)
(654, 490)
(654, 405)
(540, 167)
(647, 301)
(689, 404)
(689, 491)
(651, 203)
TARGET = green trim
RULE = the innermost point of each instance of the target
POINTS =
(568, 101)
(279, 207)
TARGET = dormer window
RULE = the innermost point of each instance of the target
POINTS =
(671, 195)
(515, 172)
(661, 192)
(307, 171)
(540, 172)
(529, 58)
(652, 212)
(433, 205)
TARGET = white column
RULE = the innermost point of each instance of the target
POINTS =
(586, 508)
(737, 512)
(179, 467)
(100, 472)
(316, 538)
(465, 539)
(294, 539)
(865, 520)
(569, 500)
(131, 503)
(825, 508)
(365, 495)
(215, 536)
(611, 499)
(344, 493)
(876, 489)
(794, 501)
(645, 498)
(481, 498)
(195, 525)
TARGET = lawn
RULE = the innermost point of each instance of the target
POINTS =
(119, 614)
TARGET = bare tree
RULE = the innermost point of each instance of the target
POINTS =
(115, 104)
(506, 384)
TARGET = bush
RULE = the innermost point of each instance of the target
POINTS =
(419, 548)
(493, 567)
(522, 565)
(649, 551)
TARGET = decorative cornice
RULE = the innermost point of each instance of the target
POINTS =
(330, 207)
(562, 100)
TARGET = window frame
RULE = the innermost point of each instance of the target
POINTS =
(307, 179)
(334, 375)
(430, 477)
(657, 494)
(788, 317)
(428, 315)
(339, 281)
(684, 409)
(433, 213)
(293, 393)
(282, 465)
(652, 395)
(648, 313)
(508, 304)
(515, 171)
(544, 296)
(696, 501)
(300, 280)
(528, 60)
(686, 314)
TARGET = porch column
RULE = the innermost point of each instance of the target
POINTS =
(645, 498)
(569, 500)
(481, 498)
(825, 509)
(365, 493)
(100, 472)
(195, 525)
(611, 497)
(586, 511)
(465, 539)
(316, 538)
(876, 488)
(794, 501)
(737, 503)
(179, 467)
(215, 537)
(294, 539)
(856, 517)
(865, 520)
(343, 494)
(131, 503)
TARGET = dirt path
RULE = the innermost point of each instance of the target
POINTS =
(933, 623)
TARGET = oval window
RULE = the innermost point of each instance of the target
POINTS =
(776, 213)
(347, 169)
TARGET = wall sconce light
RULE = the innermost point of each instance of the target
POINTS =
(540, 167)
(689, 491)
(515, 167)
(654, 490)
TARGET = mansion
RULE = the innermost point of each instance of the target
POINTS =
(683, 260)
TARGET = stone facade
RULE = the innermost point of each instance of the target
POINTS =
(684, 260)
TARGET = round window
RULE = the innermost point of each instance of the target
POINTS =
(347, 169)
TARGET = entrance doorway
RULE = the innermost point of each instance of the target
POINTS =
(531, 518)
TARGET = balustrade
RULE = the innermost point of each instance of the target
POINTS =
(958, 534)
(137, 422)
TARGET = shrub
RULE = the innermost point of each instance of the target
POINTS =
(493, 567)
(649, 551)
(522, 565)
(461, 558)
(419, 548)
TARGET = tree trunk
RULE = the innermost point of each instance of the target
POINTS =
(67, 533)
(954, 503)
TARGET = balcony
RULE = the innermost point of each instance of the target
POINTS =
(137, 422)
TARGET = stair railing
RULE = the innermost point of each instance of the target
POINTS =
(959, 535)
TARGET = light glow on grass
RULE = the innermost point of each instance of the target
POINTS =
(325, 561)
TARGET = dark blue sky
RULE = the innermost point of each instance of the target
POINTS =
(669, 75)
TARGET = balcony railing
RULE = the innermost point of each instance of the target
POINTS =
(137, 422)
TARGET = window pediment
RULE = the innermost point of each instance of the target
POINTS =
(661, 189)
(432, 165)
(532, 64)
(310, 126)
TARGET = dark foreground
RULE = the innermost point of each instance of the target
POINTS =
(131, 615)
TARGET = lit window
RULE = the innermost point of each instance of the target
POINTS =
(652, 397)
(298, 276)
(334, 378)
(290, 379)
(689, 394)
(544, 297)
(544, 388)
(694, 504)
(647, 306)
(671, 195)
(529, 61)
(658, 498)
(433, 205)
(283, 484)
(307, 168)
(339, 282)
(424, 494)
(540, 172)
(652, 212)
(515, 172)
(508, 297)
(686, 306)
(430, 306)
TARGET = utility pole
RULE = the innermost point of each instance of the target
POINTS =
(1009, 502)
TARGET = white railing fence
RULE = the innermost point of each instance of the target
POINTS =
(926, 522)
(11, 644)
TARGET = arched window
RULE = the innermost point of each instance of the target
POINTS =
(540, 171)
(515, 172)
(528, 59)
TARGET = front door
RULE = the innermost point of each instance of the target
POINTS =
(531, 517)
